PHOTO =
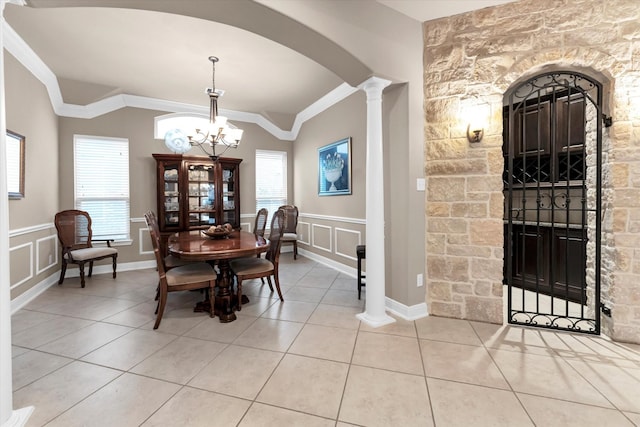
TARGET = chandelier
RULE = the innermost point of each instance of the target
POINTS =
(218, 131)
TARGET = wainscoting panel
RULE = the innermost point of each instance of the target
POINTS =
(46, 253)
(21, 261)
(321, 237)
(146, 248)
(304, 233)
(346, 242)
(333, 237)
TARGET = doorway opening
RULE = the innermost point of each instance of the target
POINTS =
(552, 187)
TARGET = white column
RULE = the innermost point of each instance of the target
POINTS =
(375, 314)
(8, 417)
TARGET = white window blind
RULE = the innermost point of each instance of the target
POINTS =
(271, 180)
(101, 169)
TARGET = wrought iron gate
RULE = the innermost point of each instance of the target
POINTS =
(552, 186)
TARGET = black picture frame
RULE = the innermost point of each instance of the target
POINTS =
(334, 168)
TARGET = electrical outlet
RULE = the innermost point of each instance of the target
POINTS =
(419, 280)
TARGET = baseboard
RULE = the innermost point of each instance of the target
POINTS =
(406, 312)
(26, 297)
(413, 312)
(349, 271)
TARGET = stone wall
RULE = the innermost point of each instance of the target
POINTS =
(471, 60)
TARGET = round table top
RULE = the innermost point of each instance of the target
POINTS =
(193, 245)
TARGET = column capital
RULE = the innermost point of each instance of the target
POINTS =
(374, 86)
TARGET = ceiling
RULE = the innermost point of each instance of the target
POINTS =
(98, 52)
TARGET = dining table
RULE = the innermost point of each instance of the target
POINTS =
(194, 245)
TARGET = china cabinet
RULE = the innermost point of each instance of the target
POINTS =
(195, 192)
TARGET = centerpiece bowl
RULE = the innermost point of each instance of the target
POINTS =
(218, 232)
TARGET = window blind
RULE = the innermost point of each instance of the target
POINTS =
(271, 180)
(101, 170)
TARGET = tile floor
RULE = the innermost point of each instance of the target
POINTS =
(89, 357)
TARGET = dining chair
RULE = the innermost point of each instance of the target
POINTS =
(254, 268)
(170, 261)
(290, 227)
(194, 275)
(76, 237)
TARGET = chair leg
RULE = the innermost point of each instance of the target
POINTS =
(359, 276)
(277, 280)
(269, 282)
(90, 269)
(81, 267)
(62, 271)
(114, 265)
(161, 304)
(295, 250)
(239, 293)
(212, 298)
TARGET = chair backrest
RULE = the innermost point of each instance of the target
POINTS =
(275, 234)
(154, 232)
(261, 222)
(290, 218)
(74, 229)
(152, 222)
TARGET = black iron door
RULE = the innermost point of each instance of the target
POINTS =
(552, 185)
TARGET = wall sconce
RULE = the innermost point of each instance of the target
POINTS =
(475, 133)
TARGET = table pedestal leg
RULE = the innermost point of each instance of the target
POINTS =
(223, 300)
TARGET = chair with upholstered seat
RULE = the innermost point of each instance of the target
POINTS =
(195, 275)
(76, 237)
(254, 268)
(290, 234)
(169, 260)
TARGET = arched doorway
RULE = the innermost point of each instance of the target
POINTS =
(553, 205)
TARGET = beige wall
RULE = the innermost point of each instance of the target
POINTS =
(32, 236)
(331, 226)
(473, 59)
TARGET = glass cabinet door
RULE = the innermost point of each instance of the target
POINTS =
(171, 196)
(229, 194)
(201, 198)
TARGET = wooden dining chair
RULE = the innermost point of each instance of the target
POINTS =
(254, 268)
(195, 275)
(76, 238)
(170, 261)
(290, 234)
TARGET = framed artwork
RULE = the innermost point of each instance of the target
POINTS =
(334, 168)
(15, 165)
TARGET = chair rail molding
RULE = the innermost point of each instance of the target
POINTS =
(334, 218)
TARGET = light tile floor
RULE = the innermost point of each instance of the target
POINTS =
(90, 357)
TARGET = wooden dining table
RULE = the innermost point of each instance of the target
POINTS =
(195, 246)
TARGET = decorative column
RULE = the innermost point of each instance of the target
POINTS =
(375, 314)
(8, 417)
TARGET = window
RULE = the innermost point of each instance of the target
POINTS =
(101, 170)
(271, 180)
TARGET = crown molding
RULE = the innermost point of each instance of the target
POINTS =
(32, 62)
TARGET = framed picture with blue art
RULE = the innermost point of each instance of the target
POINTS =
(334, 168)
